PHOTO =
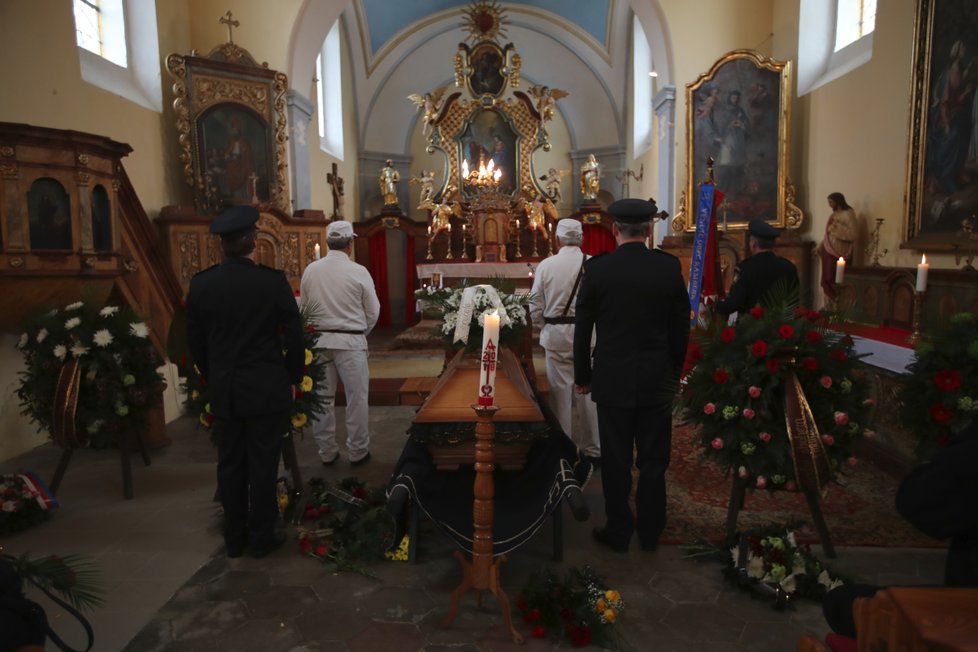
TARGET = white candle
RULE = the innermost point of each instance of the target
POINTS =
(922, 273)
(449, 227)
(490, 351)
(429, 231)
(316, 251)
(840, 270)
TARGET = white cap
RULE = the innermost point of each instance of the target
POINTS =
(339, 230)
(568, 226)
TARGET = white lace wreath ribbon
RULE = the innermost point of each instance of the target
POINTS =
(467, 307)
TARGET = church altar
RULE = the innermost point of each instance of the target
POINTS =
(430, 272)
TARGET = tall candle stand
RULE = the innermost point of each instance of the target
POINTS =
(534, 254)
(519, 254)
(918, 308)
(465, 245)
(874, 244)
(448, 242)
(550, 243)
(482, 571)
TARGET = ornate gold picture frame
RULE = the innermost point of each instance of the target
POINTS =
(232, 128)
(739, 114)
(942, 159)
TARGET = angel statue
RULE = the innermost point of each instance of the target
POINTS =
(427, 182)
(590, 178)
(430, 103)
(442, 213)
(545, 98)
(551, 182)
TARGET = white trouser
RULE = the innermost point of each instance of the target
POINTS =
(350, 367)
(584, 429)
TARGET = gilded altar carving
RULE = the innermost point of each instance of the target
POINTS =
(8, 170)
(189, 247)
(83, 159)
(7, 151)
(214, 252)
(312, 239)
(210, 90)
(290, 255)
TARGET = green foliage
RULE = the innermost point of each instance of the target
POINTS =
(940, 397)
(74, 577)
(580, 607)
(734, 392)
(118, 363)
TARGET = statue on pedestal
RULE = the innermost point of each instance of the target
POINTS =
(388, 179)
(590, 178)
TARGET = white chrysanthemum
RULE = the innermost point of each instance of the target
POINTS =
(74, 306)
(102, 337)
(42, 335)
(78, 350)
(791, 539)
(71, 323)
(755, 567)
(139, 329)
(60, 351)
(824, 579)
(789, 585)
(53, 312)
(22, 342)
(108, 311)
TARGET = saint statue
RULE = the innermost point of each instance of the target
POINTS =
(839, 240)
(590, 178)
(427, 182)
(388, 183)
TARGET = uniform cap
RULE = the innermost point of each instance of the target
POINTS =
(568, 226)
(761, 229)
(339, 230)
(234, 220)
(633, 211)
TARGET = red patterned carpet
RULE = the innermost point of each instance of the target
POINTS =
(860, 513)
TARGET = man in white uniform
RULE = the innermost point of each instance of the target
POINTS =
(344, 302)
(555, 287)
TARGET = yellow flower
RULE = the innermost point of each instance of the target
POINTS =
(306, 384)
(194, 395)
(613, 596)
(610, 615)
(299, 420)
(600, 605)
(401, 554)
(308, 356)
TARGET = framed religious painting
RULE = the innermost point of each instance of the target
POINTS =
(488, 137)
(231, 125)
(942, 174)
(738, 117)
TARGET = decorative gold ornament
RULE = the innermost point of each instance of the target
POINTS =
(16, 261)
(7, 151)
(83, 159)
(484, 21)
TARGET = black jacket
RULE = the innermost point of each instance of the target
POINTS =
(760, 279)
(240, 317)
(637, 300)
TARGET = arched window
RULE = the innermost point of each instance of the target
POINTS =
(643, 79)
(118, 48)
(49, 215)
(834, 38)
(329, 94)
(101, 220)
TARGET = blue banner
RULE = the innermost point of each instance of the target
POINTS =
(704, 211)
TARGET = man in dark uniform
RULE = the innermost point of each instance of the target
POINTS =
(240, 317)
(637, 301)
(764, 277)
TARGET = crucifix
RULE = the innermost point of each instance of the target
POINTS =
(335, 182)
(226, 20)
(624, 176)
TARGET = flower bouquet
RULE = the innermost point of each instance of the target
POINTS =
(940, 396)
(307, 403)
(24, 502)
(580, 607)
(734, 391)
(463, 309)
(117, 367)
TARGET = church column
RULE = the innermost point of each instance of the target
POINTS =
(300, 111)
(369, 166)
(612, 162)
(664, 105)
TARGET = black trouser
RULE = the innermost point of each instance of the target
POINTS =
(247, 474)
(648, 430)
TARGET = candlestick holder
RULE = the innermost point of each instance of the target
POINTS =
(968, 258)
(534, 254)
(550, 243)
(429, 256)
(448, 243)
(516, 232)
(873, 249)
(482, 571)
(465, 244)
(918, 309)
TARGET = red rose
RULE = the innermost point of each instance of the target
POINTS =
(939, 413)
(298, 393)
(786, 331)
(532, 615)
(813, 336)
(757, 312)
(305, 545)
(728, 334)
(210, 418)
(759, 349)
(813, 315)
(581, 636)
(800, 312)
(947, 380)
(539, 632)
(321, 550)
(773, 365)
(720, 376)
(809, 364)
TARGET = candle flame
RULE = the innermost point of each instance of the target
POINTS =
(923, 259)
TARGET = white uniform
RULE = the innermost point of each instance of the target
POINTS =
(342, 296)
(553, 283)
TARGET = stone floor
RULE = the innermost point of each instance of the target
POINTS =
(169, 586)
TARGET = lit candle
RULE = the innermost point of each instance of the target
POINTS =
(517, 224)
(487, 370)
(316, 251)
(429, 231)
(840, 270)
(449, 227)
(922, 273)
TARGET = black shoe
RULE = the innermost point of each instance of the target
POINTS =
(396, 502)
(575, 500)
(277, 542)
(332, 461)
(601, 536)
(362, 460)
